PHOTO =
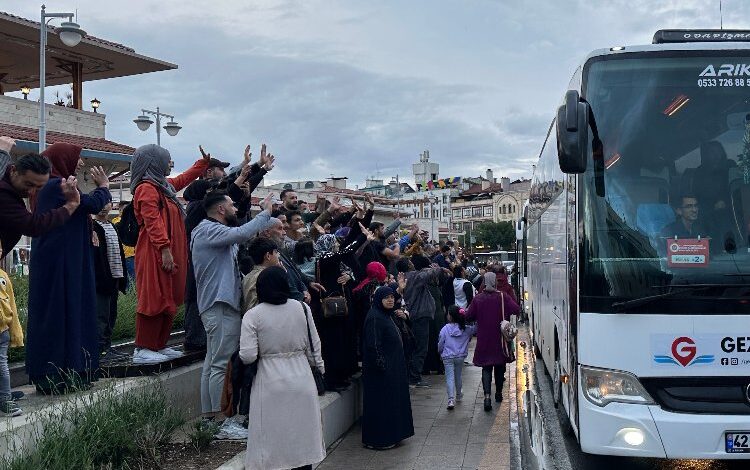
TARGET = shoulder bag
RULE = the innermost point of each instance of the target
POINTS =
(332, 305)
(508, 333)
(320, 383)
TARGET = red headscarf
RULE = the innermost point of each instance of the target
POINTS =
(63, 158)
(375, 272)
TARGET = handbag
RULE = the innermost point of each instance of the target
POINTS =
(508, 333)
(333, 305)
(320, 383)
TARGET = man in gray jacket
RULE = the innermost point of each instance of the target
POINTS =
(421, 307)
(214, 244)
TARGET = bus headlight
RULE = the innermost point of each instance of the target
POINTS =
(604, 386)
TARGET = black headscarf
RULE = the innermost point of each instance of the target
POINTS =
(380, 294)
(197, 190)
(273, 286)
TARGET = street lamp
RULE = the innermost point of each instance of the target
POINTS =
(70, 34)
(25, 92)
(144, 122)
(95, 104)
(433, 200)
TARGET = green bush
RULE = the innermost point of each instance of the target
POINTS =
(124, 329)
(101, 430)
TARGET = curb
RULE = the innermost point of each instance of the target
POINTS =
(514, 432)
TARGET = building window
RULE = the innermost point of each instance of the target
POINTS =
(457, 226)
(426, 213)
(502, 211)
(467, 212)
(445, 199)
(476, 212)
(456, 213)
(445, 212)
(487, 211)
(467, 225)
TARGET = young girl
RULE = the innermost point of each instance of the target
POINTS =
(453, 345)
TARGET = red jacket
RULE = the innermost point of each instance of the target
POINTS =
(158, 291)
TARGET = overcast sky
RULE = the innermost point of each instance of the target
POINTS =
(360, 88)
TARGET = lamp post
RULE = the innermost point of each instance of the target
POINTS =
(25, 92)
(70, 34)
(433, 200)
(95, 103)
(144, 122)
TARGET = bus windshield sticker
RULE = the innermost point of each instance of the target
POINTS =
(687, 252)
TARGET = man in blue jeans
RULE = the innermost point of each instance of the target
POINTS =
(421, 307)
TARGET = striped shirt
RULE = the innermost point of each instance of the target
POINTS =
(113, 249)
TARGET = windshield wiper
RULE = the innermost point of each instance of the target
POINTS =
(681, 289)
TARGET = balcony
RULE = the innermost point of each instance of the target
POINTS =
(25, 113)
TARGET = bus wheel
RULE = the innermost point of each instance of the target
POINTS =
(557, 384)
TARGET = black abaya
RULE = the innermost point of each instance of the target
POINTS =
(386, 417)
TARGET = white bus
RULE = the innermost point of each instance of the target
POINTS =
(638, 254)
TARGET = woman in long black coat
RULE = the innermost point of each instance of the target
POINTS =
(338, 334)
(386, 416)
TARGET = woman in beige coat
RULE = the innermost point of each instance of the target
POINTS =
(285, 430)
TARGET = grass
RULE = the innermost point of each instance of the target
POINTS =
(202, 434)
(124, 329)
(103, 430)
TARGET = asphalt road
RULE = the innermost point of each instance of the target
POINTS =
(569, 456)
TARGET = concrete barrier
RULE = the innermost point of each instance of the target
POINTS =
(20, 434)
(339, 413)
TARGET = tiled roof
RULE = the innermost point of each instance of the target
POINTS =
(88, 36)
(89, 143)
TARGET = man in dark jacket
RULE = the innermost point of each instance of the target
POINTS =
(21, 180)
(111, 278)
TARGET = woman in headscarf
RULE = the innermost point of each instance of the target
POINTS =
(285, 429)
(376, 276)
(489, 308)
(333, 270)
(62, 347)
(161, 251)
(386, 406)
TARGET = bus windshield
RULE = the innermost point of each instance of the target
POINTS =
(665, 206)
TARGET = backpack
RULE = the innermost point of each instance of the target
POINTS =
(128, 228)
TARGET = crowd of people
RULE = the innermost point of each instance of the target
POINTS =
(299, 291)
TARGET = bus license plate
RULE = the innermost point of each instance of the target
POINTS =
(737, 442)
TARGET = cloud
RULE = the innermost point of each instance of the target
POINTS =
(355, 88)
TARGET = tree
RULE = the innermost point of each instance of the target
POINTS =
(493, 234)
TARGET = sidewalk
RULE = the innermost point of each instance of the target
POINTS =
(465, 438)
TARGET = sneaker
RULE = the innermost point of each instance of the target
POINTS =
(10, 409)
(459, 396)
(451, 403)
(147, 356)
(231, 430)
(171, 353)
(17, 395)
(487, 404)
(498, 397)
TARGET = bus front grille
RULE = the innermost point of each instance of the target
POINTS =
(702, 395)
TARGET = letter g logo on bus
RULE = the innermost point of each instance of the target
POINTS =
(684, 350)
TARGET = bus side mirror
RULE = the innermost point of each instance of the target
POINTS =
(572, 134)
(519, 229)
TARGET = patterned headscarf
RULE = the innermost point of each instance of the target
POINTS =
(151, 163)
(325, 244)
